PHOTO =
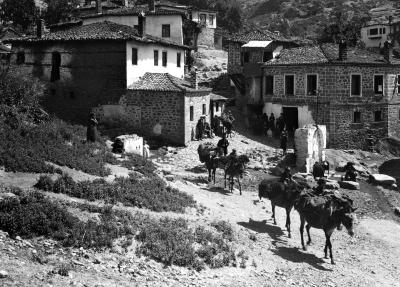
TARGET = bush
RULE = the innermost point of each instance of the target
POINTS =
(140, 164)
(33, 214)
(45, 183)
(27, 148)
(225, 228)
(151, 193)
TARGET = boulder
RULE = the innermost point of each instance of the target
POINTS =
(3, 274)
(352, 185)
(169, 177)
(331, 184)
(397, 211)
(382, 179)
(340, 167)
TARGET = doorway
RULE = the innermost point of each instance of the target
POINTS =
(291, 117)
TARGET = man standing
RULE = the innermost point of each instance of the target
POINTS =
(284, 139)
(223, 144)
(91, 134)
(271, 123)
(280, 124)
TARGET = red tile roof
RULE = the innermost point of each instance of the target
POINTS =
(163, 82)
(326, 53)
(127, 11)
(99, 31)
(257, 36)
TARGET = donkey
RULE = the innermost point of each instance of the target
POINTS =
(325, 212)
(236, 169)
(214, 161)
(282, 195)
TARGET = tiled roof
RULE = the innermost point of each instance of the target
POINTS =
(163, 82)
(326, 53)
(216, 97)
(99, 31)
(127, 11)
(257, 36)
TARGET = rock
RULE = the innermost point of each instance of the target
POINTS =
(276, 171)
(397, 211)
(331, 184)
(340, 167)
(382, 179)
(169, 177)
(18, 238)
(3, 274)
(352, 185)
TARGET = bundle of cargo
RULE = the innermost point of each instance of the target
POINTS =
(204, 151)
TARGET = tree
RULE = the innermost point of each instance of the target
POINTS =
(345, 23)
(21, 12)
(60, 10)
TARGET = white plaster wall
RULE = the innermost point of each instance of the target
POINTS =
(146, 61)
(374, 42)
(196, 18)
(153, 24)
(304, 114)
(277, 51)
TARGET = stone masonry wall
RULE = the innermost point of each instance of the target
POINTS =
(335, 104)
(163, 108)
(91, 74)
(206, 37)
(394, 120)
(234, 63)
(197, 100)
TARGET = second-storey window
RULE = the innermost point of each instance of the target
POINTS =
(191, 113)
(356, 85)
(378, 84)
(134, 56)
(246, 57)
(55, 66)
(312, 85)
(164, 58)
(211, 20)
(204, 109)
(269, 85)
(166, 31)
(289, 84)
(178, 59)
(155, 57)
(357, 117)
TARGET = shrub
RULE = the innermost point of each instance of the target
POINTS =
(140, 164)
(225, 228)
(45, 183)
(27, 148)
(146, 193)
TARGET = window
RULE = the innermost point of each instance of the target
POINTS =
(166, 31)
(357, 117)
(211, 20)
(191, 113)
(312, 85)
(378, 116)
(246, 57)
(178, 59)
(164, 58)
(217, 106)
(289, 84)
(155, 57)
(373, 32)
(55, 66)
(204, 109)
(203, 18)
(355, 85)
(267, 56)
(20, 58)
(269, 85)
(378, 84)
(134, 56)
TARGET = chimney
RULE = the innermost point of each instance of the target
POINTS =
(388, 51)
(99, 8)
(342, 50)
(40, 28)
(194, 80)
(152, 6)
(141, 24)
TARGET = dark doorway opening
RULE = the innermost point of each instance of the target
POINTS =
(291, 117)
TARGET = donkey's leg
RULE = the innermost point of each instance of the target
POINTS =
(240, 186)
(209, 174)
(328, 239)
(288, 221)
(225, 178)
(273, 212)
(302, 231)
(308, 227)
(214, 170)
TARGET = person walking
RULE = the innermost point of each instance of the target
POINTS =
(271, 123)
(91, 133)
(284, 139)
(223, 144)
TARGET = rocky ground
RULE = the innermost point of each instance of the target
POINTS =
(370, 258)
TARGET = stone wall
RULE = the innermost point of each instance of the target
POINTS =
(206, 37)
(197, 100)
(91, 74)
(234, 63)
(394, 119)
(162, 113)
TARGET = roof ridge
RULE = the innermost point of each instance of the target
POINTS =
(323, 52)
(173, 82)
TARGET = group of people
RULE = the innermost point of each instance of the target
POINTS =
(203, 129)
(277, 126)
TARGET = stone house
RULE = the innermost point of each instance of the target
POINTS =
(92, 65)
(161, 105)
(246, 53)
(352, 91)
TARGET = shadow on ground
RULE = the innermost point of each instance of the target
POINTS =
(278, 237)
(197, 169)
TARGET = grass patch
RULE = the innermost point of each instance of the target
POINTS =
(151, 193)
(26, 148)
